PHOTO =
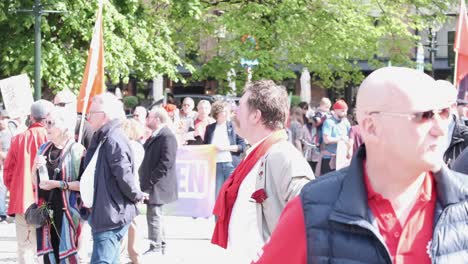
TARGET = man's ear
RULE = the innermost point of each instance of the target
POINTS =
(256, 116)
(369, 129)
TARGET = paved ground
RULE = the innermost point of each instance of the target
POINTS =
(188, 242)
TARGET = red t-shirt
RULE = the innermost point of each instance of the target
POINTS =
(407, 244)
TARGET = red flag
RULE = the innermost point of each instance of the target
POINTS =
(93, 77)
(461, 45)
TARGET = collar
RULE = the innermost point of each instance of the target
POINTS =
(247, 152)
(107, 128)
(36, 124)
(452, 187)
(156, 132)
(425, 192)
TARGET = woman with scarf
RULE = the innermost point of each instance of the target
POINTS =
(57, 240)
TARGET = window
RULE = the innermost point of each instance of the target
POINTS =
(450, 52)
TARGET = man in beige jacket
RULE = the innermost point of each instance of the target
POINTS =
(273, 172)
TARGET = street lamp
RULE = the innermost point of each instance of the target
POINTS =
(37, 11)
(432, 45)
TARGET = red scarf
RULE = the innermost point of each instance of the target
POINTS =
(228, 193)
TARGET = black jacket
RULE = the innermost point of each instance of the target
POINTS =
(458, 143)
(339, 223)
(115, 191)
(157, 171)
(234, 139)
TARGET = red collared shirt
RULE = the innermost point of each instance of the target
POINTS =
(407, 244)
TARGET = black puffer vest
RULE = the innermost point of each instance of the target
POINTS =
(339, 223)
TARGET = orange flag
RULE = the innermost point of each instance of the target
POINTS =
(93, 78)
(461, 45)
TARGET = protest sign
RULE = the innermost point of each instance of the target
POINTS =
(17, 95)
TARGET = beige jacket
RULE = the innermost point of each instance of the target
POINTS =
(282, 174)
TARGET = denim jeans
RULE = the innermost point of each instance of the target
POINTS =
(3, 192)
(106, 245)
(223, 171)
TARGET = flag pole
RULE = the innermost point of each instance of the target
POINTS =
(92, 69)
(462, 12)
(455, 70)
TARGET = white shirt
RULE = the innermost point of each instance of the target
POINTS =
(245, 239)
(155, 133)
(221, 139)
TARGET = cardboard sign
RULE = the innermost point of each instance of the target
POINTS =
(17, 95)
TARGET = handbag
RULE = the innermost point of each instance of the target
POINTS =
(40, 215)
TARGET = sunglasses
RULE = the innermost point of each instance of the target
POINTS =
(50, 123)
(420, 117)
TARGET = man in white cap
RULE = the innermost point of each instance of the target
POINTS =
(18, 178)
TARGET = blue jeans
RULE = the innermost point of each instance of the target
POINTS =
(106, 245)
(223, 171)
(3, 192)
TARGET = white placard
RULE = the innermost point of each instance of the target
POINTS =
(341, 151)
(17, 95)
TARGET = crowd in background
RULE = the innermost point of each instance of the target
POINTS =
(135, 160)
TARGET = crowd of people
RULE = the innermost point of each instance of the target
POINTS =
(282, 192)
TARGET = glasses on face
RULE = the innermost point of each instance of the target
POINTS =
(186, 105)
(420, 117)
(50, 123)
(90, 113)
(63, 104)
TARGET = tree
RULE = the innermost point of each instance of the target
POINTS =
(137, 40)
(329, 37)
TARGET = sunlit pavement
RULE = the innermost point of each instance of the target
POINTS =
(188, 241)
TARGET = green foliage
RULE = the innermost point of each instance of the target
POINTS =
(326, 36)
(130, 102)
(295, 100)
(137, 40)
(150, 37)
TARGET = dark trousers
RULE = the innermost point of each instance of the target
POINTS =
(325, 168)
(156, 234)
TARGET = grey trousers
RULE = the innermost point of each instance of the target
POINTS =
(154, 217)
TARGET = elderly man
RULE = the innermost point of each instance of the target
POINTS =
(18, 178)
(67, 99)
(158, 176)
(115, 191)
(397, 202)
(187, 114)
(273, 172)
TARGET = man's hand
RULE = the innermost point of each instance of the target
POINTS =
(145, 198)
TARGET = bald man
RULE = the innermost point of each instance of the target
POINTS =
(397, 202)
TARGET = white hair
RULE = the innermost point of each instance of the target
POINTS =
(162, 114)
(110, 105)
(65, 120)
